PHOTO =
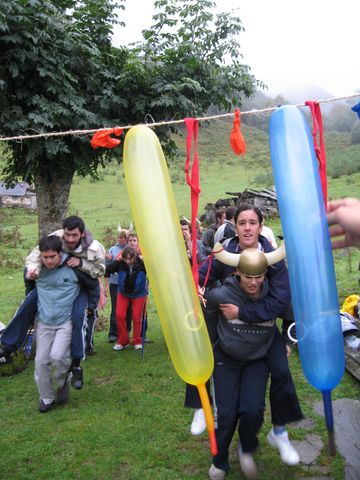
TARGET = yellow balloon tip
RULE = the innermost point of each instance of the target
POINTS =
(213, 444)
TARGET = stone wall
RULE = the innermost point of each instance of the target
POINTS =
(27, 201)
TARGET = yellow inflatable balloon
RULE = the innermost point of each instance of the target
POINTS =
(167, 264)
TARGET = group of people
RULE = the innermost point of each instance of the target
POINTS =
(62, 278)
(244, 298)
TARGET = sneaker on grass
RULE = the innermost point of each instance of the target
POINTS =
(120, 347)
(281, 441)
(77, 380)
(198, 425)
(216, 473)
(45, 407)
(247, 464)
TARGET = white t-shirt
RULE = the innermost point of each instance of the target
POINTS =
(269, 235)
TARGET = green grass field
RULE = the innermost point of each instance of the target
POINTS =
(129, 422)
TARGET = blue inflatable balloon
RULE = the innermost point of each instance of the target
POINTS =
(308, 249)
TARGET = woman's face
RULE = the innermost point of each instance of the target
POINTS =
(248, 229)
(133, 242)
(252, 285)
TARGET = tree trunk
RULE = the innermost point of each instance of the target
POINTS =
(52, 195)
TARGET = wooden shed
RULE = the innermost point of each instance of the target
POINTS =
(265, 199)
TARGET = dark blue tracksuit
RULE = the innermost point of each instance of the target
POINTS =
(240, 401)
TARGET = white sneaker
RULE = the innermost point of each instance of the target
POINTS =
(117, 346)
(216, 473)
(247, 464)
(288, 454)
(138, 347)
(198, 425)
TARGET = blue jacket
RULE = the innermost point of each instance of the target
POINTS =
(58, 288)
(132, 281)
(275, 303)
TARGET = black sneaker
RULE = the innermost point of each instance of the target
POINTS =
(90, 351)
(77, 381)
(45, 407)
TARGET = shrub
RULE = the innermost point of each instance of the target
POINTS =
(11, 237)
(345, 163)
(264, 179)
(108, 238)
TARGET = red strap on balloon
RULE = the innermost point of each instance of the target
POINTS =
(209, 259)
(194, 183)
(320, 152)
(103, 139)
(237, 141)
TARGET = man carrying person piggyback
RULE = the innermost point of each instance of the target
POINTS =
(85, 254)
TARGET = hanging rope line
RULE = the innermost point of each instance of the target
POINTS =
(158, 124)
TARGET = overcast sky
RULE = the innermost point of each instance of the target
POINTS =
(288, 44)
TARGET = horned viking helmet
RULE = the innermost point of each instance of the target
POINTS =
(251, 261)
(127, 231)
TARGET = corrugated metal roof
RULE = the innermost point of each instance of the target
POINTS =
(19, 189)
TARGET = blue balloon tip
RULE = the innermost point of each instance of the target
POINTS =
(328, 410)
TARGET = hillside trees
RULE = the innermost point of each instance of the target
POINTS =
(355, 134)
(59, 72)
(340, 118)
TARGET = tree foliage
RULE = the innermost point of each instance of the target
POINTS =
(59, 72)
(54, 76)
